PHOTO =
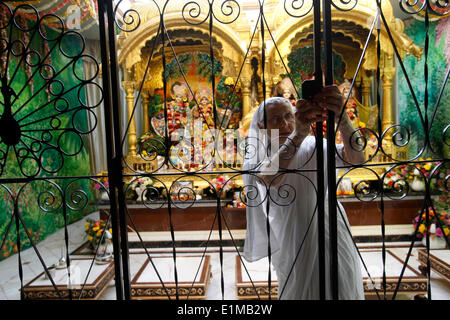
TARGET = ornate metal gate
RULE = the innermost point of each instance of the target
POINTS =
(46, 99)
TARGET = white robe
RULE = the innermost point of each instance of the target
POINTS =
(289, 221)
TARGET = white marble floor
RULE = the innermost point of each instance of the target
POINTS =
(50, 250)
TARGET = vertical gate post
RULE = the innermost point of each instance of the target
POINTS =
(331, 153)
(114, 147)
(320, 164)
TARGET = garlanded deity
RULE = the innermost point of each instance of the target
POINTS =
(204, 110)
(352, 105)
(177, 111)
(286, 90)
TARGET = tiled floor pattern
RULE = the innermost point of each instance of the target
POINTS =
(50, 250)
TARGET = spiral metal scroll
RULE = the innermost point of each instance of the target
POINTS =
(345, 5)
(251, 195)
(364, 190)
(437, 8)
(130, 18)
(229, 11)
(39, 136)
(297, 8)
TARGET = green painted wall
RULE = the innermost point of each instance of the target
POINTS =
(438, 62)
(40, 203)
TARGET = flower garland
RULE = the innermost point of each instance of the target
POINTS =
(223, 183)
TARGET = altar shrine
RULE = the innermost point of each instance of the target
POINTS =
(180, 111)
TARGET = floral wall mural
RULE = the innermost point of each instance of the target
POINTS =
(48, 102)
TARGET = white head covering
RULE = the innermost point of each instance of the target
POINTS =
(258, 148)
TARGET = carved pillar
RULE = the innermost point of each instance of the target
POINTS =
(145, 101)
(268, 89)
(129, 87)
(246, 98)
(387, 76)
(365, 90)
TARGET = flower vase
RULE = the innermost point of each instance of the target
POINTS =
(435, 242)
(104, 255)
(417, 185)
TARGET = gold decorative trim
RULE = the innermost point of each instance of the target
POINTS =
(155, 290)
(437, 265)
(91, 291)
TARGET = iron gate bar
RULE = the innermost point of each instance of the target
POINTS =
(166, 132)
(263, 68)
(317, 40)
(117, 160)
(408, 254)
(110, 116)
(16, 208)
(331, 153)
(425, 100)
(96, 252)
(383, 248)
(213, 87)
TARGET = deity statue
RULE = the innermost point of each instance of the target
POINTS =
(285, 88)
(177, 111)
(204, 110)
(352, 105)
(254, 83)
(360, 115)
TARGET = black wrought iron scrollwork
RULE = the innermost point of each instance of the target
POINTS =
(152, 198)
(399, 186)
(38, 136)
(436, 7)
(229, 11)
(131, 18)
(344, 5)
(252, 195)
(50, 200)
(364, 190)
(283, 194)
(192, 10)
(412, 7)
(400, 137)
(76, 198)
(297, 8)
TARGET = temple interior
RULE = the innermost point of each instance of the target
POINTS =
(169, 114)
